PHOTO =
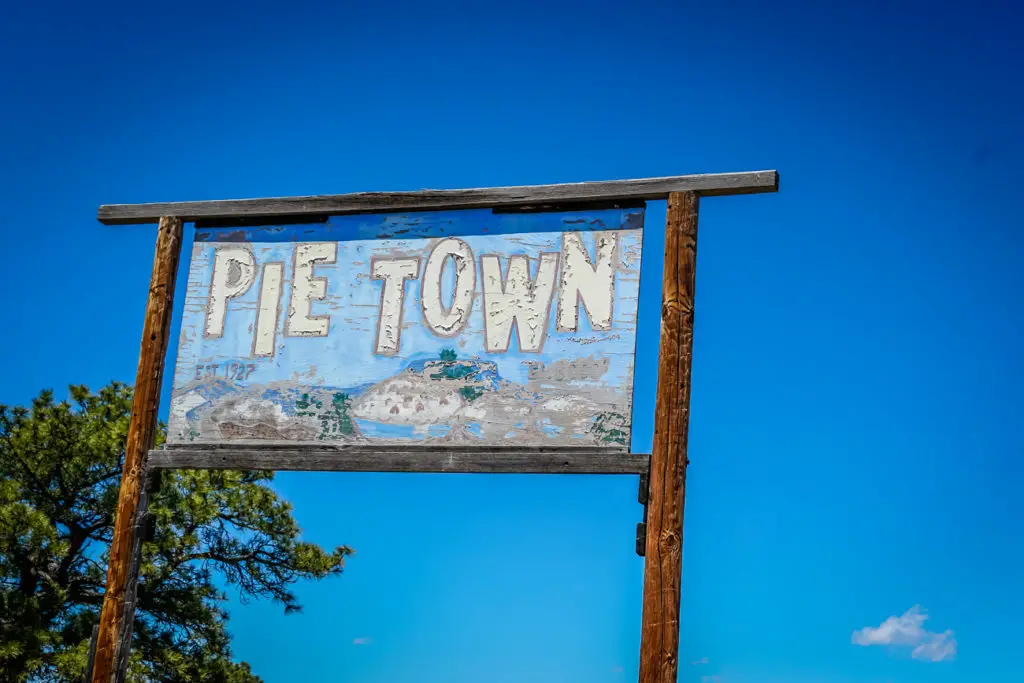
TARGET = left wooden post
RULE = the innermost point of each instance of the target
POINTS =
(141, 436)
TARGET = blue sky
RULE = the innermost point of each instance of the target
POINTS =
(854, 440)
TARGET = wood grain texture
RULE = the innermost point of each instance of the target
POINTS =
(494, 459)
(710, 184)
(659, 639)
(92, 652)
(142, 517)
(141, 433)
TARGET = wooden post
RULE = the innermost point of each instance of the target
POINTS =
(659, 635)
(92, 653)
(123, 650)
(141, 434)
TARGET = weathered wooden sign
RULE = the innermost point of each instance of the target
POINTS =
(459, 327)
(479, 330)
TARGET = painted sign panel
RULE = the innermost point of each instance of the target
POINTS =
(467, 327)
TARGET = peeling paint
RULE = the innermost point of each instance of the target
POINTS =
(587, 283)
(453, 327)
(306, 289)
(517, 300)
(448, 320)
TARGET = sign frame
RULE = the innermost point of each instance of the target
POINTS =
(662, 472)
(374, 366)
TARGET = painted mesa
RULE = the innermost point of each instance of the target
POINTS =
(460, 327)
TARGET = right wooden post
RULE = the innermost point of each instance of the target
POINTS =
(659, 634)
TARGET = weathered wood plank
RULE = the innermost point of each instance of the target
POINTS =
(659, 635)
(124, 648)
(92, 652)
(709, 184)
(141, 434)
(540, 460)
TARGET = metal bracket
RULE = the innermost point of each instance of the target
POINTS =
(642, 496)
(641, 528)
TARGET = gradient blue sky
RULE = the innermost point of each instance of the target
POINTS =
(855, 440)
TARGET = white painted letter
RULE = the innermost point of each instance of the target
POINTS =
(306, 289)
(265, 337)
(587, 283)
(517, 300)
(442, 320)
(233, 271)
(394, 273)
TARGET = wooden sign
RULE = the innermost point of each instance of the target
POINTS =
(454, 328)
(479, 330)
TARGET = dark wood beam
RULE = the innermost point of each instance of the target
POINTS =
(304, 208)
(464, 459)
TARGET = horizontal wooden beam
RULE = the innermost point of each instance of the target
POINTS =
(710, 184)
(510, 460)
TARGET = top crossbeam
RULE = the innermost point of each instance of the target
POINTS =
(521, 197)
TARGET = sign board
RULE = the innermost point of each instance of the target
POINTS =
(466, 327)
(429, 331)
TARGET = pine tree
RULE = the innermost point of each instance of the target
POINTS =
(60, 466)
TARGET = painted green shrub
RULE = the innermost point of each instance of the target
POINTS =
(334, 420)
(452, 370)
(610, 427)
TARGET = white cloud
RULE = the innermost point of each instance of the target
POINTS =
(940, 648)
(702, 660)
(362, 641)
(908, 631)
(710, 679)
(617, 669)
